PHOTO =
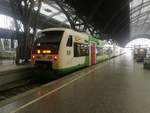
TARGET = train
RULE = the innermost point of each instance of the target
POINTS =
(147, 59)
(64, 50)
(140, 54)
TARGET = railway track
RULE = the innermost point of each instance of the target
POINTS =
(17, 81)
(26, 80)
(17, 88)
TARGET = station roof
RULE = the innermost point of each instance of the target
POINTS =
(140, 18)
(113, 18)
(117, 18)
(52, 10)
(45, 19)
(110, 16)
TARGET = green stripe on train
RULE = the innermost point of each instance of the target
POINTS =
(101, 58)
(53, 74)
(70, 69)
(93, 39)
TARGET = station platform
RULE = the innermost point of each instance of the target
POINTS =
(9, 65)
(10, 73)
(119, 85)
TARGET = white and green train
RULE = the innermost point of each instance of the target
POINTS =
(64, 50)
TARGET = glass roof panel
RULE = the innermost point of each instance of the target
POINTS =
(136, 3)
(67, 23)
(146, 0)
(61, 17)
(47, 9)
(52, 10)
(7, 22)
(147, 8)
(140, 15)
(135, 14)
(147, 21)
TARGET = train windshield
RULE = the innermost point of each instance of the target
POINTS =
(49, 40)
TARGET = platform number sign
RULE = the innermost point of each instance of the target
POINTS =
(68, 52)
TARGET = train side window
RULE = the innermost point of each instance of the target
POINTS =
(99, 51)
(80, 49)
(69, 42)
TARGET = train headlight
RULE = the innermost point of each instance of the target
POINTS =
(48, 51)
(33, 57)
(38, 51)
(55, 57)
(44, 51)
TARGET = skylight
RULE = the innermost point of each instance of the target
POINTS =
(6, 22)
(61, 17)
(54, 11)
(142, 42)
(51, 11)
(47, 9)
(139, 17)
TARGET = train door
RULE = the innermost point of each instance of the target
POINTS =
(93, 53)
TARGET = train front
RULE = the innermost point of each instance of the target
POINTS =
(46, 48)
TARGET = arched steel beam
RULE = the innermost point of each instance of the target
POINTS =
(141, 20)
(142, 28)
(140, 11)
(79, 23)
(137, 8)
(141, 15)
(141, 36)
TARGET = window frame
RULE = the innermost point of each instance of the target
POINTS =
(69, 41)
(78, 49)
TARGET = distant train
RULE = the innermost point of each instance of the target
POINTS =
(64, 50)
(140, 54)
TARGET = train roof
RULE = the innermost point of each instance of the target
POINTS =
(63, 29)
(59, 29)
